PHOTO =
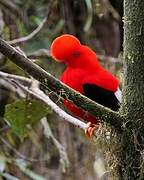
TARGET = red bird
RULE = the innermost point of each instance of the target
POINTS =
(85, 74)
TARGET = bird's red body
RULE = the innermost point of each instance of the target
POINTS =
(84, 74)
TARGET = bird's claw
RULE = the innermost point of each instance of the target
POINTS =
(90, 129)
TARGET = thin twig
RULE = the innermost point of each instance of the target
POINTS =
(37, 30)
(31, 35)
(63, 155)
(23, 167)
(39, 53)
(8, 176)
(16, 77)
(8, 85)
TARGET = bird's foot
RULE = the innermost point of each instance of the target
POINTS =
(90, 129)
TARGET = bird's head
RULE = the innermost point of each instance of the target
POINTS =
(65, 47)
(68, 49)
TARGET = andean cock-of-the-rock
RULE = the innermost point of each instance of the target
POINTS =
(85, 74)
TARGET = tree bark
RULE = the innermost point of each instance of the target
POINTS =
(132, 158)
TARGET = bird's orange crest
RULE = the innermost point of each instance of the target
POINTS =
(64, 47)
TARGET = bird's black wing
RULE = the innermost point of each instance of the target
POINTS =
(102, 96)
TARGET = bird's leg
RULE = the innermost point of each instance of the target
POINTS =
(90, 129)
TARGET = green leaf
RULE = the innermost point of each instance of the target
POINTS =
(22, 113)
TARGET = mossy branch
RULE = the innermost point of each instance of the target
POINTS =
(103, 113)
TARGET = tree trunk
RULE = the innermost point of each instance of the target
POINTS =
(133, 102)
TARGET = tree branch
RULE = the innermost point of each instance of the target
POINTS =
(107, 115)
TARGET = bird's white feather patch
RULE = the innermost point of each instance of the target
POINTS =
(118, 95)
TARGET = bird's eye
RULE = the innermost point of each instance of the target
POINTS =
(76, 54)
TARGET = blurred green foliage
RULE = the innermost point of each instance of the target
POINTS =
(24, 113)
